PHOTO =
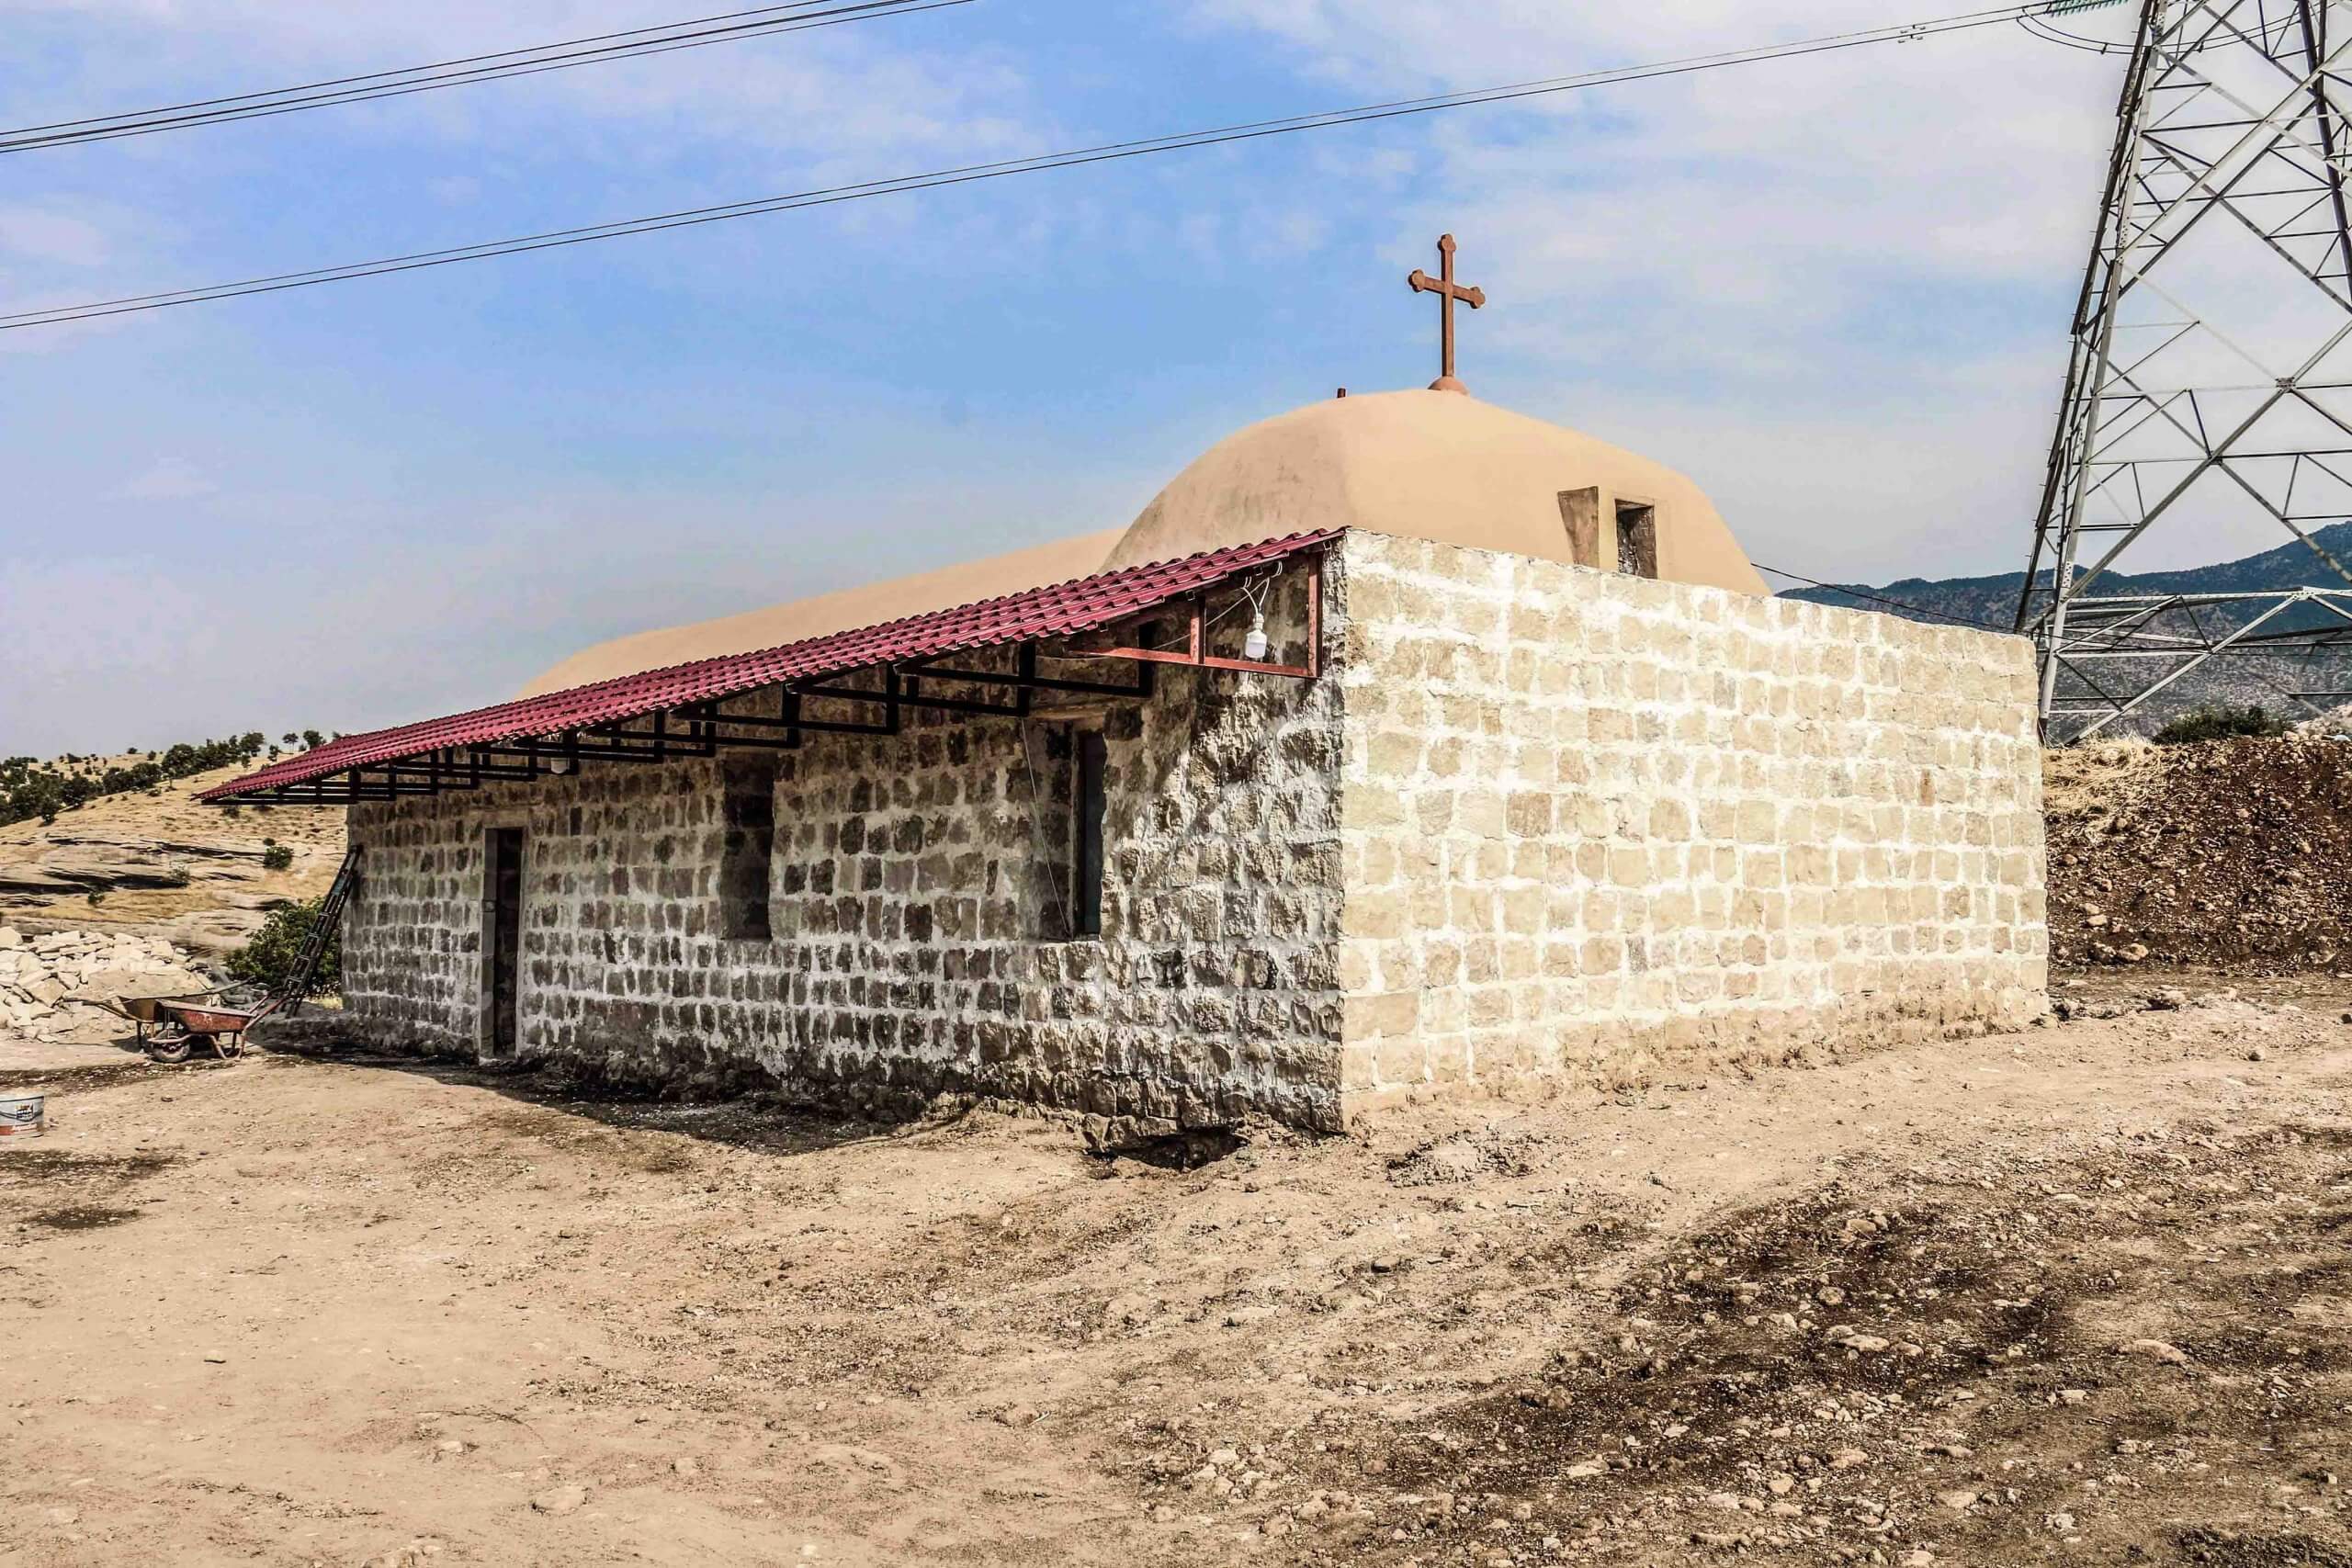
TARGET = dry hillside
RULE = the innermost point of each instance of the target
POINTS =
(164, 864)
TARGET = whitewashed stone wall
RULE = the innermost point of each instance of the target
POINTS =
(917, 889)
(1590, 822)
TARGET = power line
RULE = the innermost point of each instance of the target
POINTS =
(1878, 599)
(2049, 34)
(1042, 163)
(412, 70)
(797, 16)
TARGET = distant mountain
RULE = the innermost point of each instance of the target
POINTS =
(1991, 601)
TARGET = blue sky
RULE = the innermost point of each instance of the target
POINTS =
(1833, 290)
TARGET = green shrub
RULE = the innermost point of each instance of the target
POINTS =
(2219, 724)
(268, 959)
(178, 876)
(29, 789)
(277, 857)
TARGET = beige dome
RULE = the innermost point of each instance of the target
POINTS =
(1427, 465)
(1430, 464)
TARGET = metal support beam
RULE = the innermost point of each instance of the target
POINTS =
(2183, 409)
(1195, 652)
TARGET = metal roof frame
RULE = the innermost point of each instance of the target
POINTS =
(678, 712)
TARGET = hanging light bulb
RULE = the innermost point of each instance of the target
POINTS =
(1255, 645)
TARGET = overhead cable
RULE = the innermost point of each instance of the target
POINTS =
(999, 169)
(798, 16)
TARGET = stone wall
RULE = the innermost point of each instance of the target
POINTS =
(918, 896)
(1590, 821)
(1535, 825)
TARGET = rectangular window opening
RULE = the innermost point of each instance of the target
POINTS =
(747, 857)
(1088, 803)
(1636, 538)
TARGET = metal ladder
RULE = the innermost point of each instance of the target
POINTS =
(315, 945)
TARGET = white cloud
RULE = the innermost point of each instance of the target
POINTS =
(873, 85)
(168, 481)
(1799, 282)
(46, 235)
(1730, 213)
(1834, 289)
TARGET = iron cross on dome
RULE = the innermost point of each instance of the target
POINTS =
(1447, 292)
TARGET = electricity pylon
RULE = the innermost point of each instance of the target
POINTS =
(2207, 406)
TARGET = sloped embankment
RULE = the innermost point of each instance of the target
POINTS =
(2233, 853)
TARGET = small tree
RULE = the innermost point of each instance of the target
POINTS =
(2219, 724)
(269, 958)
(277, 857)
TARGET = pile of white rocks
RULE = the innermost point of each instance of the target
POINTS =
(40, 974)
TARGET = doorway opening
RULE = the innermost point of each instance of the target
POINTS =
(1089, 798)
(503, 939)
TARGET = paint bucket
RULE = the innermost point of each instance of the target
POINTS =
(22, 1115)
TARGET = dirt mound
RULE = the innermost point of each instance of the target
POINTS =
(2232, 854)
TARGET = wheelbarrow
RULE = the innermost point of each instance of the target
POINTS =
(143, 1013)
(190, 1023)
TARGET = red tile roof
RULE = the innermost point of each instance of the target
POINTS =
(1063, 609)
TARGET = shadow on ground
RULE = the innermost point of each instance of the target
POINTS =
(758, 1121)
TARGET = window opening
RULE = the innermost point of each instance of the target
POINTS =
(1636, 539)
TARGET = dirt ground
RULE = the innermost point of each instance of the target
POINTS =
(2076, 1294)
(2234, 853)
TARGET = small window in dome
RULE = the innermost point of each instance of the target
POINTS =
(1636, 538)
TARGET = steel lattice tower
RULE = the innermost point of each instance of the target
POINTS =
(2209, 393)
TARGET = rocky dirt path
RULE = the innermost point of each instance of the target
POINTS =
(2080, 1295)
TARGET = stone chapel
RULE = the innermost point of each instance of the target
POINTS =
(1402, 745)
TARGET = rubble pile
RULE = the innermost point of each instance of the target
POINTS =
(41, 976)
(2232, 854)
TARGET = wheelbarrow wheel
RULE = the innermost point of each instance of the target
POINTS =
(170, 1048)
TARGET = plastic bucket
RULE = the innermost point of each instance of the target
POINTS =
(22, 1115)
